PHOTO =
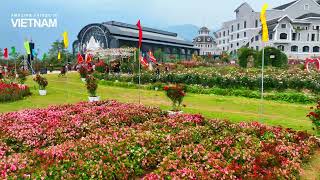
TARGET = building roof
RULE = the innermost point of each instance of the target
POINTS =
(284, 6)
(204, 29)
(149, 34)
(308, 15)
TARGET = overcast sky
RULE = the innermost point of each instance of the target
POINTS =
(74, 14)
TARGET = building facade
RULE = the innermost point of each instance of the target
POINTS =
(293, 28)
(206, 43)
(116, 35)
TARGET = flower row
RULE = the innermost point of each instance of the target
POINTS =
(11, 91)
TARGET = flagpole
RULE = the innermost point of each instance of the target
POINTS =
(262, 81)
(139, 78)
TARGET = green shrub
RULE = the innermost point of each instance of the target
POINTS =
(272, 57)
(244, 53)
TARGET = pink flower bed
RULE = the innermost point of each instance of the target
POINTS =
(111, 140)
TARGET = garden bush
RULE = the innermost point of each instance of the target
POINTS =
(279, 59)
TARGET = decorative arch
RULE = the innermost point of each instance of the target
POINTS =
(95, 34)
(312, 61)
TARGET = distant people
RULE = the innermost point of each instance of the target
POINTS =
(107, 69)
(158, 71)
(51, 67)
(63, 71)
(166, 69)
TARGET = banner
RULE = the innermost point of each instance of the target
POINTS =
(264, 25)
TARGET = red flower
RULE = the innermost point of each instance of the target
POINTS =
(166, 88)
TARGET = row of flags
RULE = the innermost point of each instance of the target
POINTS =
(31, 51)
(144, 59)
(6, 52)
(87, 59)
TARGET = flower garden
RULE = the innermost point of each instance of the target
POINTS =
(112, 140)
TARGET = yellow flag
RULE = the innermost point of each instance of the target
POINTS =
(59, 55)
(263, 18)
(65, 39)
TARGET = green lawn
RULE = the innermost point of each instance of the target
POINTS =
(70, 89)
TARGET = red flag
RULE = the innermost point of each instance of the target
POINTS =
(88, 58)
(5, 53)
(152, 58)
(80, 58)
(143, 61)
(140, 33)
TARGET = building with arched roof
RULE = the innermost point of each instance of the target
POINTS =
(114, 34)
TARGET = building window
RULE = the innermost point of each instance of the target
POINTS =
(237, 44)
(231, 45)
(283, 26)
(228, 32)
(283, 36)
(245, 24)
(231, 37)
(271, 36)
(294, 36)
(316, 49)
(224, 33)
(281, 47)
(252, 39)
(245, 34)
(257, 38)
(238, 36)
(232, 28)
(256, 23)
(306, 49)
(238, 26)
(294, 48)
(306, 7)
(224, 41)
(313, 37)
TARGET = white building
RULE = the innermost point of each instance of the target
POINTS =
(293, 28)
(206, 42)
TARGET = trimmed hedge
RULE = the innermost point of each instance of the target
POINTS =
(284, 97)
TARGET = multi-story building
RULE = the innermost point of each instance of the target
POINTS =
(206, 42)
(293, 28)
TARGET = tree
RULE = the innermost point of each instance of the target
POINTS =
(56, 47)
(244, 54)
(1, 54)
(225, 57)
(159, 55)
(273, 57)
